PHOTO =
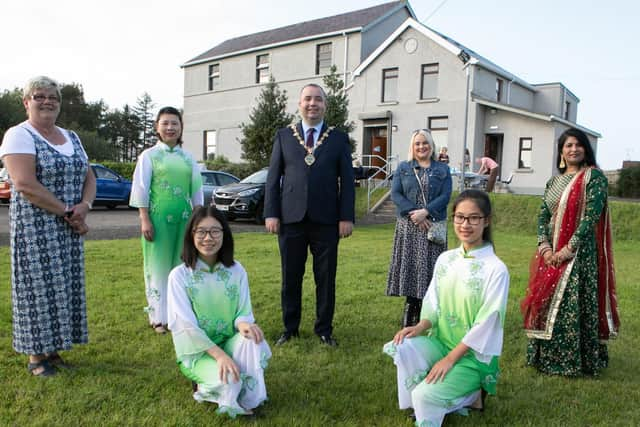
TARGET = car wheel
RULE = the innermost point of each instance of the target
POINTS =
(111, 206)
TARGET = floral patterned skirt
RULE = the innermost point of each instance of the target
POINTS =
(412, 261)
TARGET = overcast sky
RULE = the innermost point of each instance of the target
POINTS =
(119, 49)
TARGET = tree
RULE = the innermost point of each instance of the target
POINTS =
(337, 113)
(76, 113)
(265, 119)
(122, 129)
(96, 147)
(11, 110)
(71, 105)
(143, 108)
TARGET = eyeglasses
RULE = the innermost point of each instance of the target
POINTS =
(201, 233)
(41, 98)
(472, 219)
(423, 130)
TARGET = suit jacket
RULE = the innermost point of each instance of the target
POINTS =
(324, 191)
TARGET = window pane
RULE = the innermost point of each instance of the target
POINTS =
(438, 123)
(525, 159)
(262, 59)
(323, 58)
(430, 68)
(214, 76)
(429, 82)
(441, 139)
(263, 75)
(211, 141)
(225, 179)
(390, 85)
(429, 86)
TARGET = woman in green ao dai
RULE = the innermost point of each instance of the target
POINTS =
(217, 342)
(166, 185)
(456, 364)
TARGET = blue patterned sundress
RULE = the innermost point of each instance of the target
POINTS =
(47, 258)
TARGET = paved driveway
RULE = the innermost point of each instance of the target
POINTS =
(120, 223)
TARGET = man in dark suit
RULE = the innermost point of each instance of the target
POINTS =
(309, 203)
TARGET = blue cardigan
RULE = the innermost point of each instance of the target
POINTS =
(405, 189)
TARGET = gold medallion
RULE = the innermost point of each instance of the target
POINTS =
(309, 159)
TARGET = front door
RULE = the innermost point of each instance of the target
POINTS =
(379, 152)
(493, 147)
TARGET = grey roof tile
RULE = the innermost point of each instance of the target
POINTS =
(355, 19)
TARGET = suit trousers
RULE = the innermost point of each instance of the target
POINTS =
(295, 240)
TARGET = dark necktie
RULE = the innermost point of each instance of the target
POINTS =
(310, 132)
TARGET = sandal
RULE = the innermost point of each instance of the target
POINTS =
(58, 362)
(43, 367)
(159, 328)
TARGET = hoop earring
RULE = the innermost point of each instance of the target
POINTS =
(562, 164)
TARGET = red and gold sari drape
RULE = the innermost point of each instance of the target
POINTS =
(547, 283)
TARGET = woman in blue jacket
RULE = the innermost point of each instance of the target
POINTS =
(421, 189)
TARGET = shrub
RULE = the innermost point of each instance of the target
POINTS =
(123, 168)
(221, 163)
(628, 184)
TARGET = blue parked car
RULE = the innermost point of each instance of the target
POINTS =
(112, 189)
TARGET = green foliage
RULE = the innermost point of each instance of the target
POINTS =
(122, 128)
(519, 213)
(143, 112)
(361, 200)
(127, 375)
(337, 113)
(123, 168)
(97, 148)
(625, 220)
(11, 110)
(628, 184)
(265, 119)
(75, 113)
(221, 163)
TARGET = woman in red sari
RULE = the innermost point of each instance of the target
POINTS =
(570, 309)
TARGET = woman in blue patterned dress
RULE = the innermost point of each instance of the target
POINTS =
(52, 191)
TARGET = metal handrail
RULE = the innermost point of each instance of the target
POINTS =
(382, 175)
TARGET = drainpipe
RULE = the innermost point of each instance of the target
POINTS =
(509, 92)
(467, 68)
(346, 49)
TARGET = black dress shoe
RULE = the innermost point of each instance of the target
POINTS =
(328, 340)
(286, 336)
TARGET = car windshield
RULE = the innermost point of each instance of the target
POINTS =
(259, 177)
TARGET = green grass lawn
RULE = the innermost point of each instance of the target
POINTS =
(127, 374)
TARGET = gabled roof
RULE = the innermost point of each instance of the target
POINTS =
(540, 116)
(447, 43)
(345, 22)
(562, 86)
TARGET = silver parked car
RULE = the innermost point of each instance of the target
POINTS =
(211, 180)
